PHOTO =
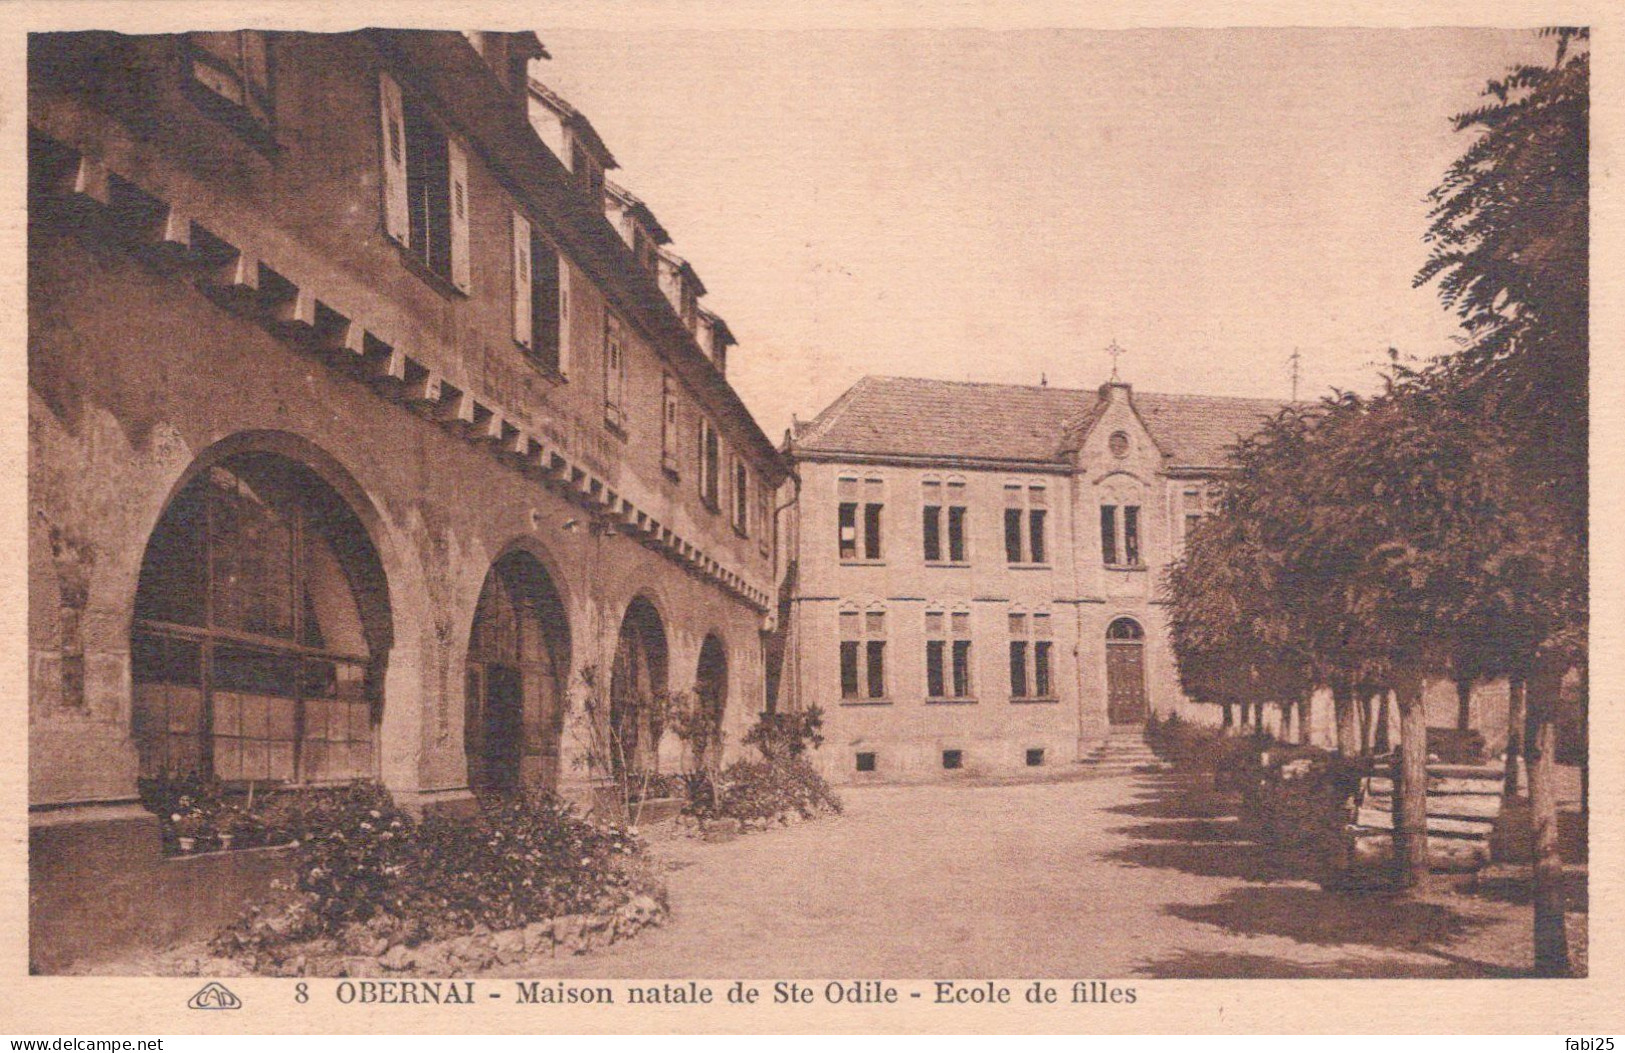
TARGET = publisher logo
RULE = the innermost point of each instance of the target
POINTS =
(214, 995)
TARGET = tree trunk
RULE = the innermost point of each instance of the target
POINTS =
(1464, 703)
(1305, 705)
(1258, 718)
(1286, 721)
(1367, 722)
(1229, 716)
(1514, 751)
(1540, 748)
(1381, 740)
(1348, 721)
(1411, 780)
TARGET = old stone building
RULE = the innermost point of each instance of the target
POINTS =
(371, 432)
(971, 570)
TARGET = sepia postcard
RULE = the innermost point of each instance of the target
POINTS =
(1031, 518)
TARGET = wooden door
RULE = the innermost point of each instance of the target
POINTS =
(1125, 683)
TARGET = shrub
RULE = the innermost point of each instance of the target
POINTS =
(763, 790)
(1299, 804)
(785, 736)
(362, 861)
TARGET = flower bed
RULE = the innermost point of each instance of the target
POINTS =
(759, 794)
(370, 879)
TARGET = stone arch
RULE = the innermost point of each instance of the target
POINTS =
(637, 688)
(710, 700)
(516, 677)
(262, 625)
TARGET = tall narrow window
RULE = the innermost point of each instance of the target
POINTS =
(668, 425)
(936, 645)
(741, 498)
(710, 470)
(614, 374)
(1042, 681)
(1131, 535)
(873, 506)
(851, 627)
(1108, 534)
(547, 304)
(1012, 535)
(957, 552)
(849, 530)
(1020, 685)
(426, 196)
(537, 304)
(1037, 548)
(931, 520)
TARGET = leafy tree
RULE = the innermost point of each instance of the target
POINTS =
(1511, 239)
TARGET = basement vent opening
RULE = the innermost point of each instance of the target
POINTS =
(952, 759)
(1035, 758)
(866, 762)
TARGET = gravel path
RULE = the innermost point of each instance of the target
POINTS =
(1132, 875)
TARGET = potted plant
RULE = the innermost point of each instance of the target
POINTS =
(190, 821)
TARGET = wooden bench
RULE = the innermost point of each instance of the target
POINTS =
(1464, 802)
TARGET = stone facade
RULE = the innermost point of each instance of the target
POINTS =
(1086, 591)
(330, 305)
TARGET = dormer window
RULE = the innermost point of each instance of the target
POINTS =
(234, 71)
(588, 170)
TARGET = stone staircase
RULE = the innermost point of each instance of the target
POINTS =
(1124, 752)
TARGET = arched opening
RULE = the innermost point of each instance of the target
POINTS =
(261, 631)
(514, 693)
(1125, 672)
(637, 684)
(711, 699)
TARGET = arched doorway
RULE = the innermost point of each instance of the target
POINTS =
(711, 698)
(261, 631)
(637, 682)
(518, 658)
(1125, 672)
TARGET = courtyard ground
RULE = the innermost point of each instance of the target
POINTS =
(1132, 875)
(1140, 875)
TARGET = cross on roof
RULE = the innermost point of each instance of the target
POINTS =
(1115, 351)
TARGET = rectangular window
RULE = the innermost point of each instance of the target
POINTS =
(1035, 758)
(1018, 669)
(428, 192)
(546, 298)
(952, 760)
(668, 425)
(614, 374)
(1131, 535)
(1108, 534)
(871, 530)
(764, 520)
(962, 669)
(1035, 528)
(866, 762)
(956, 533)
(1012, 535)
(741, 501)
(849, 668)
(235, 70)
(537, 308)
(931, 527)
(710, 469)
(876, 653)
(849, 530)
(935, 680)
(1042, 687)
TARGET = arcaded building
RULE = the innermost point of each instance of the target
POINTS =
(972, 571)
(372, 433)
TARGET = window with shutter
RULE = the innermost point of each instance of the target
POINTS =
(393, 114)
(523, 293)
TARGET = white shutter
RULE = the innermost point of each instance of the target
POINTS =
(393, 151)
(522, 279)
(458, 163)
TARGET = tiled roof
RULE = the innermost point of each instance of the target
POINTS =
(918, 417)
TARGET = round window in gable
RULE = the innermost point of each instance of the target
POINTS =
(1118, 444)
